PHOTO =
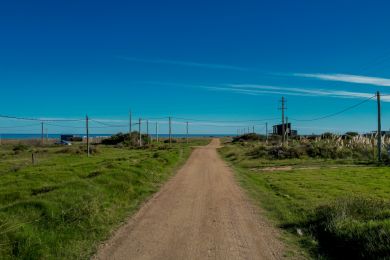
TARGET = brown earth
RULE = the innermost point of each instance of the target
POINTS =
(200, 213)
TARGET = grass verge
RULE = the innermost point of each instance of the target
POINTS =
(331, 208)
(66, 204)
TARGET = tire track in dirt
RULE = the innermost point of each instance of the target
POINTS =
(200, 213)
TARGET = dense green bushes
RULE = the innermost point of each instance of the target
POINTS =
(120, 138)
(353, 228)
(248, 137)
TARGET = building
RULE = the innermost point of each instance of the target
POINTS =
(71, 138)
(66, 137)
(278, 130)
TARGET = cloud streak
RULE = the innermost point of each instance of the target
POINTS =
(256, 90)
(358, 79)
(186, 63)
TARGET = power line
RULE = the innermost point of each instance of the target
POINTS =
(39, 119)
(107, 124)
(336, 113)
(224, 121)
(19, 126)
(75, 127)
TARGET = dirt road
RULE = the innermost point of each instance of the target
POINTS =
(200, 213)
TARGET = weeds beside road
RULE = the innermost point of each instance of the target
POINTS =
(66, 204)
(333, 208)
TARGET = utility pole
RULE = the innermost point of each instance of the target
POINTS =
(283, 126)
(187, 132)
(130, 126)
(139, 130)
(156, 132)
(287, 129)
(378, 98)
(266, 132)
(130, 119)
(147, 129)
(253, 129)
(42, 134)
(87, 127)
(170, 131)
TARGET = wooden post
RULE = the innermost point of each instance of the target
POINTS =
(170, 131)
(42, 134)
(139, 130)
(283, 126)
(130, 123)
(378, 97)
(187, 133)
(87, 126)
(287, 129)
(156, 132)
(130, 127)
(33, 158)
(147, 129)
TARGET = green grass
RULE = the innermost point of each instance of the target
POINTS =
(355, 198)
(66, 204)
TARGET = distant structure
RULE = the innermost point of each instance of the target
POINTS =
(386, 133)
(70, 138)
(278, 130)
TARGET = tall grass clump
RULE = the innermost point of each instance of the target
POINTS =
(353, 228)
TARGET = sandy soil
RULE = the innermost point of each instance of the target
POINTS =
(200, 213)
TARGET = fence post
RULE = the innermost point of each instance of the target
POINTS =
(378, 97)
(87, 127)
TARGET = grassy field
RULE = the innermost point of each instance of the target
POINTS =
(336, 209)
(66, 204)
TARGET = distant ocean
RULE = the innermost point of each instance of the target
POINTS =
(57, 136)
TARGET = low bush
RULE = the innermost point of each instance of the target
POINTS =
(20, 148)
(70, 150)
(320, 150)
(172, 140)
(353, 228)
(126, 139)
(248, 137)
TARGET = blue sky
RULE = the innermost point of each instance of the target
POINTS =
(208, 60)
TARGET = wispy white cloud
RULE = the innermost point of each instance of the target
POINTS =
(186, 63)
(251, 89)
(384, 82)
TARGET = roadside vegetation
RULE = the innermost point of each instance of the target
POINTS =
(65, 204)
(327, 193)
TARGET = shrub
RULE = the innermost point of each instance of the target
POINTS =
(167, 141)
(278, 152)
(20, 148)
(71, 150)
(116, 139)
(258, 152)
(247, 138)
(351, 134)
(353, 228)
(120, 138)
